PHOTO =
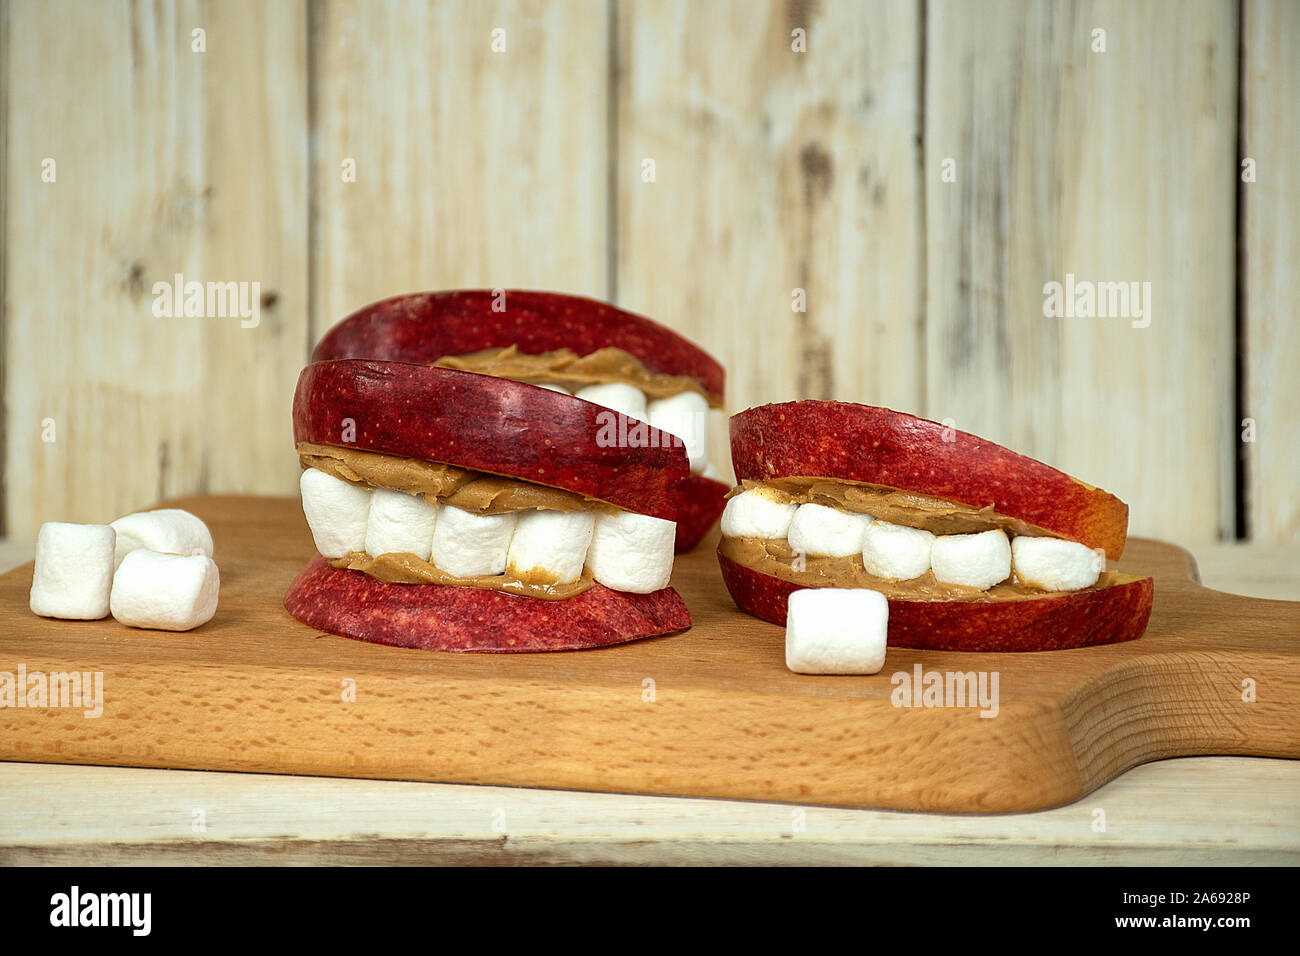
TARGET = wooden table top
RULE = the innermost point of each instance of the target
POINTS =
(1186, 811)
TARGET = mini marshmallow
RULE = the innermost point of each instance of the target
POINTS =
(896, 551)
(74, 571)
(1055, 565)
(685, 415)
(336, 511)
(169, 530)
(554, 388)
(710, 472)
(165, 592)
(836, 631)
(974, 560)
(621, 398)
(550, 544)
(399, 523)
(631, 552)
(755, 514)
(819, 530)
(467, 544)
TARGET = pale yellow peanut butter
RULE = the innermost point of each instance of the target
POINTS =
(439, 483)
(406, 568)
(775, 557)
(474, 491)
(569, 370)
(933, 514)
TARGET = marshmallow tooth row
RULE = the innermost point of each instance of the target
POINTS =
(153, 569)
(623, 551)
(685, 414)
(900, 553)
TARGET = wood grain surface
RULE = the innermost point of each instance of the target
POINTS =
(255, 690)
(257, 176)
(1194, 811)
(1270, 250)
(475, 167)
(781, 230)
(1047, 137)
(168, 161)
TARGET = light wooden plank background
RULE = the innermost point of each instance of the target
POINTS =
(474, 168)
(167, 161)
(1271, 256)
(1103, 165)
(774, 171)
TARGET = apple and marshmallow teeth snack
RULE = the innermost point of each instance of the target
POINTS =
(974, 546)
(645, 376)
(458, 511)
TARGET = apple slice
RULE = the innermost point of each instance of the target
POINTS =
(844, 441)
(488, 424)
(427, 326)
(435, 617)
(702, 501)
(1105, 615)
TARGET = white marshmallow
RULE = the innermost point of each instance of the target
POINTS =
(399, 523)
(685, 415)
(710, 472)
(631, 552)
(554, 388)
(552, 543)
(336, 511)
(896, 551)
(74, 571)
(753, 514)
(165, 592)
(467, 544)
(975, 560)
(819, 530)
(621, 398)
(1055, 565)
(169, 530)
(836, 631)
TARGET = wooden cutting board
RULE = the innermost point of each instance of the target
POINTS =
(709, 712)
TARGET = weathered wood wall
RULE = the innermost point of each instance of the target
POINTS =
(1270, 266)
(859, 200)
(166, 161)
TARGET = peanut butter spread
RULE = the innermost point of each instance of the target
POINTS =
(475, 491)
(935, 515)
(407, 568)
(566, 368)
(777, 559)
(462, 488)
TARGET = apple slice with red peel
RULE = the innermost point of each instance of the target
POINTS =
(424, 327)
(844, 441)
(506, 428)
(427, 326)
(840, 441)
(487, 424)
(435, 617)
(702, 501)
(1106, 615)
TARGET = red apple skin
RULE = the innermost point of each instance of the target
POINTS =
(840, 440)
(487, 424)
(702, 501)
(435, 617)
(1069, 619)
(427, 326)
